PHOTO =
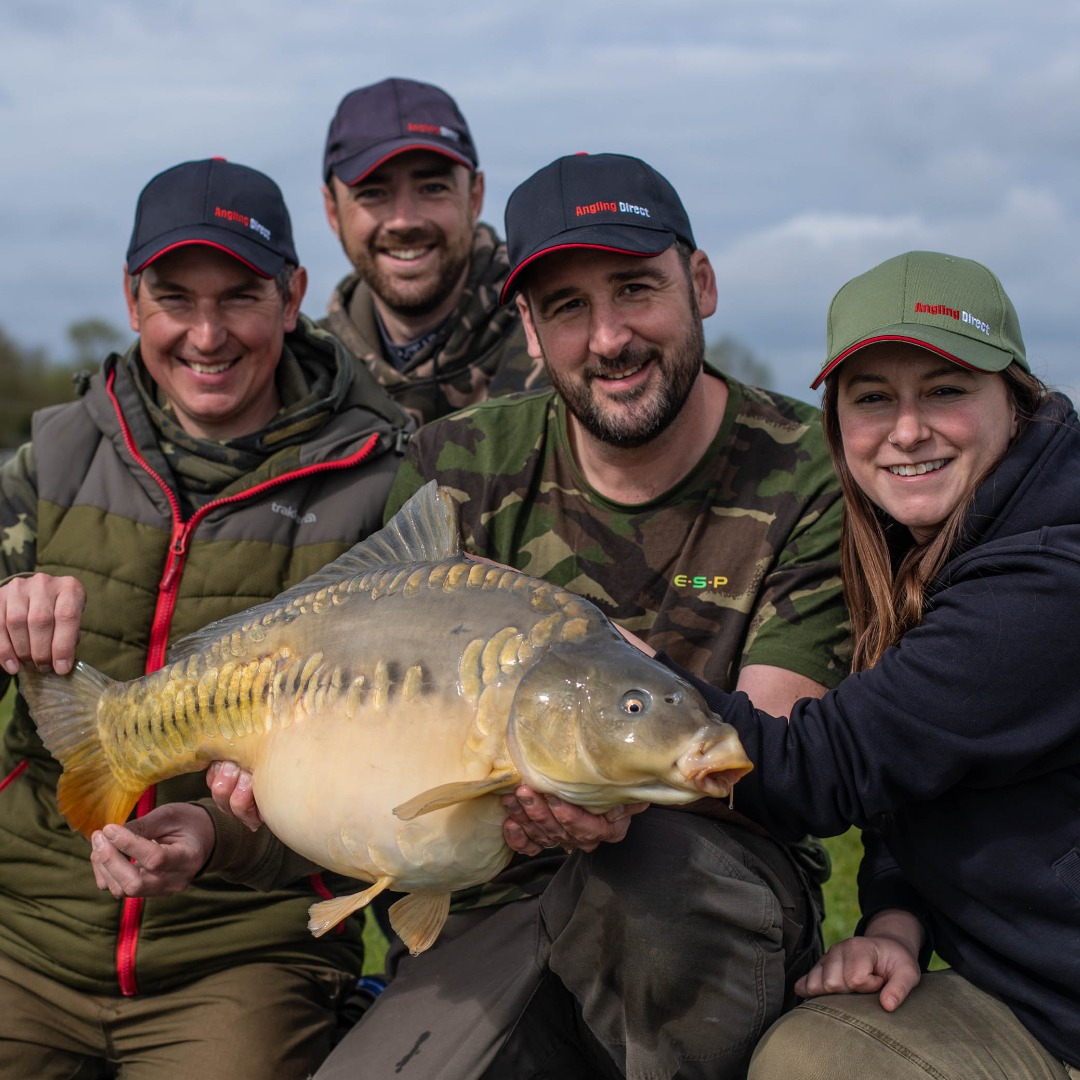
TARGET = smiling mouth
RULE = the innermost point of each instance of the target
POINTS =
(616, 376)
(209, 369)
(917, 470)
(410, 254)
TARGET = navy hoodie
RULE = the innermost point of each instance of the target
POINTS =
(960, 749)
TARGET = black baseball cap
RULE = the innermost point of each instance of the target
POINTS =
(610, 202)
(217, 203)
(377, 122)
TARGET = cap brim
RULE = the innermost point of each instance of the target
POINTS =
(353, 169)
(264, 262)
(960, 349)
(623, 240)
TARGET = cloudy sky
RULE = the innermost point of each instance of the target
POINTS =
(809, 139)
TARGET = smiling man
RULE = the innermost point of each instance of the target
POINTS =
(403, 194)
(233, 450)
(701, 514)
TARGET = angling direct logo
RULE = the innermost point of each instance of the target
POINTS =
(433, 129)
(952, 313)
(242, 219)
(611, 207)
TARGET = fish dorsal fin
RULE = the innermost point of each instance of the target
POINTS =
(438, 798)
(425, 529)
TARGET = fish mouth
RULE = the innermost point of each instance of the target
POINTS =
(714, 767)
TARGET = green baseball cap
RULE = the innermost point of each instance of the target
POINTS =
(953, 307)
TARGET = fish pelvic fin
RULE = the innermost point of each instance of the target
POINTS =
(64, 708)
(418, 917)
(326, 914)
(438, 798)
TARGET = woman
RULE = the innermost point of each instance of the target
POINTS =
(955, 744)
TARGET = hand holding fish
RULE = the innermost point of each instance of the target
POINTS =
(230, 788)
(535, 822)
(39, 622)
(156, 855)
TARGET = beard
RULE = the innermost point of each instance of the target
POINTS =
(637, 416)
(414, 296)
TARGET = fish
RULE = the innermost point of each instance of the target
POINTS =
(382, 705)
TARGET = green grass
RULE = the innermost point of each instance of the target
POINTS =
(841, 898)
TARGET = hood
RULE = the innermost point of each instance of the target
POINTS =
(1035, 484)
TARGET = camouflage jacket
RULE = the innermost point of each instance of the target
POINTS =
(737, 564)
(479, 353)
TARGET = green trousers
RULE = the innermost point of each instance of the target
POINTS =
(947, 1029)
(254, 1022)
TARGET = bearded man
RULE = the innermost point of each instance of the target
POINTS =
(421, 308)
(704, 516)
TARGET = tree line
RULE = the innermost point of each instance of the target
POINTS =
(32, 379)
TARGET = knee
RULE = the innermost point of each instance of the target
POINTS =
(832, 1038)
(793, 1048)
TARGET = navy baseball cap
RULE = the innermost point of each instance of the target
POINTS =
(377, 122)
(610, 202)
(217, 203)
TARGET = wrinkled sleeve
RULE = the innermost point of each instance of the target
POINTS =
(256, 859)
(801, 622)
(973, 696)
(882, 885)
(18, 513)
(18, 521)
(415, 470)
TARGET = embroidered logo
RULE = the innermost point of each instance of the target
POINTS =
(242, 219)
(952, 313)
(433, 129)
(291, 512)
(609, 207)
(699, 581)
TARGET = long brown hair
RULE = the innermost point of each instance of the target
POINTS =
(885, 604)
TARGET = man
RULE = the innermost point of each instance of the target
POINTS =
(232, 451)
(701, 514)
(404, 194)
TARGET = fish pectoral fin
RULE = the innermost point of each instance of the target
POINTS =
(418, 917)
(437, 798)
(327, 914)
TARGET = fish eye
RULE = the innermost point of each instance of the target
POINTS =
(635, 702)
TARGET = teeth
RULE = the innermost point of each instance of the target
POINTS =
(616, 376)
(406, 254)
(916, 470)
(209, 369)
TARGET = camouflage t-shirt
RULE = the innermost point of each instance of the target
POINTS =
(737, 564)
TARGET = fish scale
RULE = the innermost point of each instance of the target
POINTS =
(383, 705)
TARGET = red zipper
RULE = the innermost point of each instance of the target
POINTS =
(168, 589)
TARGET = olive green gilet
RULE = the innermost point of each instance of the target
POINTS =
(106, 520)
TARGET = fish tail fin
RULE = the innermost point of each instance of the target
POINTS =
(64, 708)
